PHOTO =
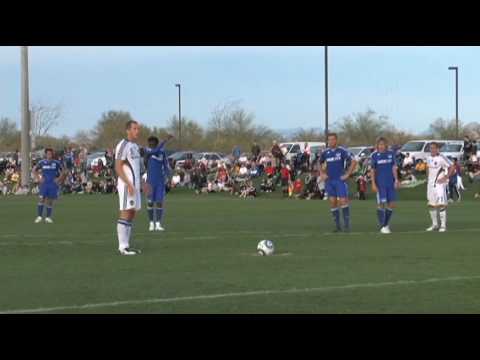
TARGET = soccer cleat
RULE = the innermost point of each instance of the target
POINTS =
(442, 229)
(48, 220)
(38, 220)
(432, 228)
(385, 230)
(152, 226)
(129, 251)
(158, 227)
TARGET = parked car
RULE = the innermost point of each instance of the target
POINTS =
(178, 158)
(361, 152)
(211, 157)
(93, 158)
(453, 149)
(292, 149)
(419, 149)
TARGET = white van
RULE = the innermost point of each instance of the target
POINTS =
(453, 150)
(420, 149)
(291, 149)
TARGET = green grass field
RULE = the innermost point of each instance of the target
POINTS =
(206, 263)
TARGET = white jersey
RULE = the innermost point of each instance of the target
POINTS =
(437, 167)
(130, 152)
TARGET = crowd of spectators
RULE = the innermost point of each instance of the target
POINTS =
(246, 175)
(10, 176)
(82, 176)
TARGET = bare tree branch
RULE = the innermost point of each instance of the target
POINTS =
(44, 118)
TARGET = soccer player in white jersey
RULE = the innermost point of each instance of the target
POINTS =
(439, 170)
(127, 167)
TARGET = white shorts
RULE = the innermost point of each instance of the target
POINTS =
(437, 195)
(127, 201)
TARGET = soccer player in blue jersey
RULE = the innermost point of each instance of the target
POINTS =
(158, 171)
(51, 175)
(335, 178)
(384, 177)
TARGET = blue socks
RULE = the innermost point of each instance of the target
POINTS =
(336, 217)
(49, 211)
(154, 214)
(381, 216)
(40, 210)
(388, 215)
(346, 216)
(159, 214)
(150, 214)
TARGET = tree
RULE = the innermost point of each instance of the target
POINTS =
(110, 129)
(309, 135)
(442, 129)
(472, 129)
(43, 119)
(364, 128)
(9, 135)
(232, 125)
(83, 138)
(56, 143)
(192, 133)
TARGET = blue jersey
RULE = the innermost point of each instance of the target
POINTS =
(51, 169)
(157, 165)
(335, 159)
(383, 163)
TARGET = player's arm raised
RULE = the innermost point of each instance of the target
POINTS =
(165, 141)
(121, 174)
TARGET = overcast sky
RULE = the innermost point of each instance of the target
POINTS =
(282, 86)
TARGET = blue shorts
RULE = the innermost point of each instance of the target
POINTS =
(336, 188)
(157, 192)
(49, 191)
(386, 194)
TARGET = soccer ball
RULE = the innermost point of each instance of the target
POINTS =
(265, 248)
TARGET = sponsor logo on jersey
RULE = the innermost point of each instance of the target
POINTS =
(384, 161)
(337, 157)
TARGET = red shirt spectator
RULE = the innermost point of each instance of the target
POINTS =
(362, 184)
(298, 186)
(285, 173)
(270, 171)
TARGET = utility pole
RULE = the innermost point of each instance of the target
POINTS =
(326, 93)
(456, 98)
(25, 136)
(179, 115)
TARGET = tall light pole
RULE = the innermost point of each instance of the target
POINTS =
(456, 98)
(326, 93)
(25, 136)
(179, 86)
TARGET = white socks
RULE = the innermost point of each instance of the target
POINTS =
(439, 213)
(443, 217)
(124, 229)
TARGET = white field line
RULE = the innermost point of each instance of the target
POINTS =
(238, 294)
(167, 236)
